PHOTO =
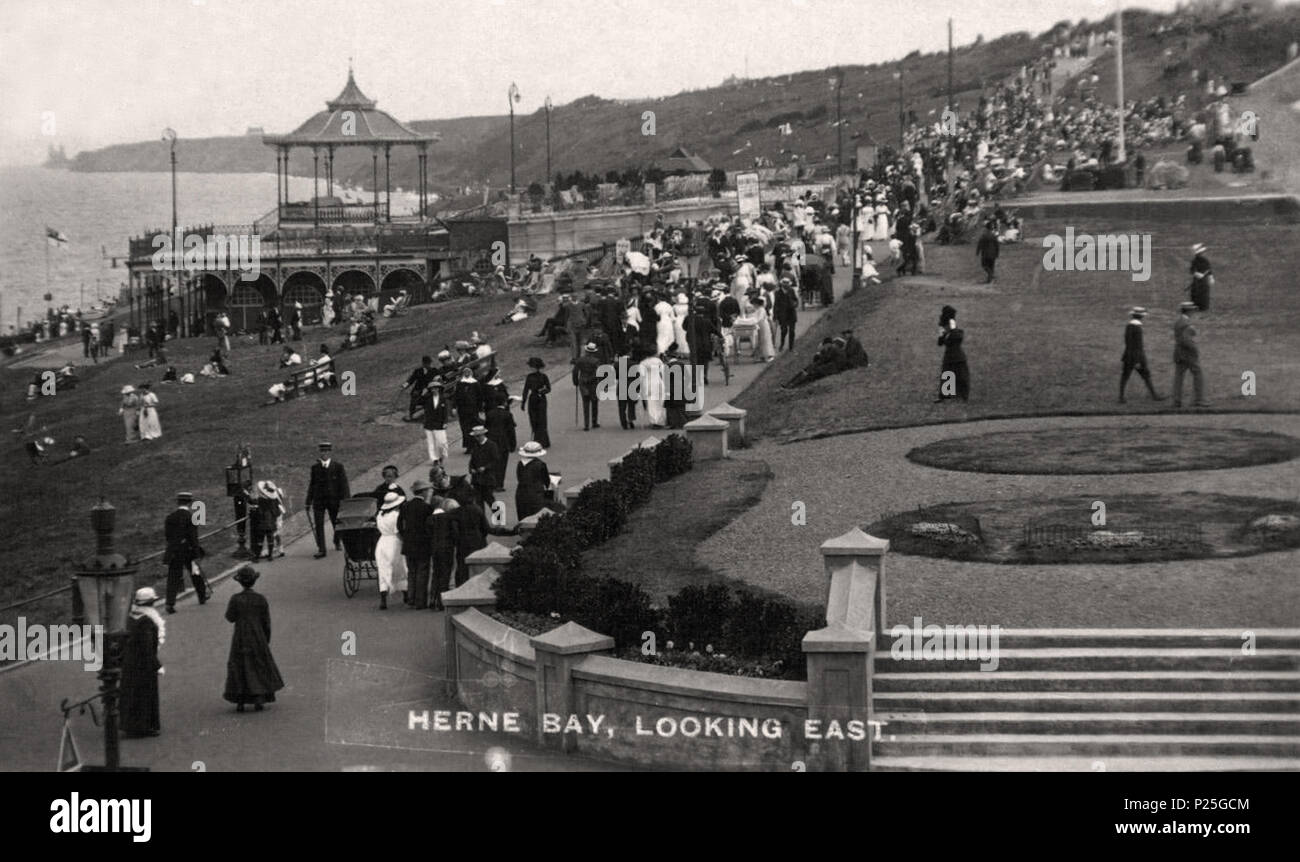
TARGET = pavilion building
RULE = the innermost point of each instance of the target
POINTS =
(323, 244)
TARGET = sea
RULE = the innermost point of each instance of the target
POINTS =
(99, 213)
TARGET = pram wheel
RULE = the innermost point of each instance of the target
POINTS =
(351, 582)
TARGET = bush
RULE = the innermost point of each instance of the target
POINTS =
(612, 607)
(537, 579)
(771, 627)
(634, 476)
(600, 512)
(672, 457)
(698, 614)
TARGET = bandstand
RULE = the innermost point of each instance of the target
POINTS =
(310, 247)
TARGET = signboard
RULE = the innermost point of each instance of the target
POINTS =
(621, 248)
(651, 194)
(748, 196)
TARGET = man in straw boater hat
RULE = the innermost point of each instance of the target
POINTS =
(1135, 355)
(182, 550)
(417, 548)
(484, 458)
(586, 374)
(251, 673)
(1187, 356)
(140, 667)
(327, 487)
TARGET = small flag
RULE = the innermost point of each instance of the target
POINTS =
(69, 757)
(55, 237)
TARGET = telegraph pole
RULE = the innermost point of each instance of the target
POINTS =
(1120, 155)
(899, 76)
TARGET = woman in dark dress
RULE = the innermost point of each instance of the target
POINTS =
(533, 479)
(536, 387)
(954, 357)
(251, 674)
(140, 667)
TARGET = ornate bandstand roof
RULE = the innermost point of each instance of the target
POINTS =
(351, 119)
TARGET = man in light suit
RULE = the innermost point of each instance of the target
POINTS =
(327, 488)
(182, 550)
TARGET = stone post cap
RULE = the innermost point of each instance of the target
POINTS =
(495, 552)
(706, 423)
(726, 411)
(572, 638)
(854, 543)
(477, 591)
(838, 637)
(649, 442)
(532, 520)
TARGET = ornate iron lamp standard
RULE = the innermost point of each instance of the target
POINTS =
(106, 584)
(239, 487)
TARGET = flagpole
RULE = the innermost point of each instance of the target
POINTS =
(1119, 75)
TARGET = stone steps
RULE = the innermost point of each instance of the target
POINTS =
(1094, 699)
(959, 702)
(1089, 681)
(1105, 658)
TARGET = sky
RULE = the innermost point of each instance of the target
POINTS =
(88, 73)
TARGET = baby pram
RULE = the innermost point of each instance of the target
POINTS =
(356, 529)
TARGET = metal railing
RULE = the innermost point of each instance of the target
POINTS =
(146, 558)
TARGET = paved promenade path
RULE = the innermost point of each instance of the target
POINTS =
(337, 712)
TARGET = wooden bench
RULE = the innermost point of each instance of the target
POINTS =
(364, 338)
(307, 379)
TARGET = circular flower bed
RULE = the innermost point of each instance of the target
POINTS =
(943, 532)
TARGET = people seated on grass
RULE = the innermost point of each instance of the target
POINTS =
(289, 357)
(325, 373)
(523, 308)
(553, 329)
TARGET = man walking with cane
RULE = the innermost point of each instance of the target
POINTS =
(327, 488)
(182, 550)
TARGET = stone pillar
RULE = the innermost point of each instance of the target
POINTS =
(839, 690)
(571, 493)
(708, 437)
(557, 652)
(855, 576)
(695, 405)
(494, 555)
(649, 442)
(527, 525)
(735, 419)
(474, 593)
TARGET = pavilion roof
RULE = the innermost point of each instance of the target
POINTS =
(368, 125)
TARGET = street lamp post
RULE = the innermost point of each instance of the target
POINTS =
(548, 140)
(511, 97)
(106, 584)
(839, 123)
(239, 487)
(169, 135)
(899, 76)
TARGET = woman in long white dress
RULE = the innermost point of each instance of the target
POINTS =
(882, 219)
(665, 329)
(327, 308)
(388, 550)
(653, 390)
(866, 222)
(150, 424)
(680, 309)
(763, 345)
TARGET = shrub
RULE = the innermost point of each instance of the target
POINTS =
(699, 614)
(612, 607)
(672, 457)
(600, 512)
(764, 626)
(634, 476)
(536, 580)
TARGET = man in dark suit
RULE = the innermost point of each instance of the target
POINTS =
(412, 527)
(483, 461)
(786, 312)
(500, 424)
(586, 374)
(416, 382)
(327, 488)
(435, 422)
(442, 531)
(182, 550)
(1135, 355)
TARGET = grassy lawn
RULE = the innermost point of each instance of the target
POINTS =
(1048, 342)
(45, 508)
(657, 547)
(1122, 449)
(1223, 522)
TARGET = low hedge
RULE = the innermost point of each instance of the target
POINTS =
(747, 632)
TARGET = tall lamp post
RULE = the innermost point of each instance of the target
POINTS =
(548, 140)
(511, 97)
(838, 83)
(899, 76)
(239, 487)
(106, 585)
